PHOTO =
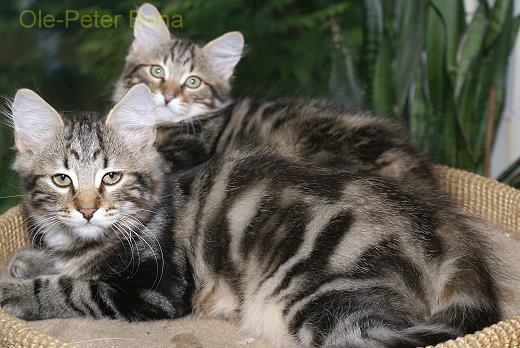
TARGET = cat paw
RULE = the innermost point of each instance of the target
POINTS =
(13, 302)
(28, 263)
(18, 268)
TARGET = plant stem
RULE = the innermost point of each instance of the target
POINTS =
(490, 130)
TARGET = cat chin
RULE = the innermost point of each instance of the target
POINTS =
(164, 114)
(89, 232)
(60, 238)
(175, 112)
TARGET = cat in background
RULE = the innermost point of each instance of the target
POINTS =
(198, 118)
(295, 254)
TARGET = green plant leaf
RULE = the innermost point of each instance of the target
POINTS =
(372, 38)
(422, 119)
(409, 43)
(488, 84)
(510, 172)
(436, 45)
(452, 15)
(499, 14)
(383, 97)
(470, 48)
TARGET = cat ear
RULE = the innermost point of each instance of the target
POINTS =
(133, 117)
(224, 52)
(35, 121)
(149, 28)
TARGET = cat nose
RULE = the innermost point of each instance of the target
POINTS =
(167, 98)
(87, 213)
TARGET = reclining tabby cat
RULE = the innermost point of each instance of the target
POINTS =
(292, 253)
(198, 118)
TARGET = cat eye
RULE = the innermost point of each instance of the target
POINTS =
(112, 178)
(157, 71)
(61, 180)
(193, 82)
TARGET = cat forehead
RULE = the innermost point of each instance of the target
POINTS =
(179, 52)
(182, 51)
(84, 137)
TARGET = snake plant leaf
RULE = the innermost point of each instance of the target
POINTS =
(436, 44)
(510, 172)
(472, 85)
(494, 82)
(422, 123)
(442, 36)
(515, 182)
(497, 19)
(469, 117)
(452, 15)
(383, 96)
(408, 47)
(470, 48)
(484, 98)
(372, 37)
(444, 77)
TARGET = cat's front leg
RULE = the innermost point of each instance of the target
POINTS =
(64, 297)
(44, 297)
(29, 263)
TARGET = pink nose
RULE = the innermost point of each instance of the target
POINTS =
(167, 98)
(87, 213)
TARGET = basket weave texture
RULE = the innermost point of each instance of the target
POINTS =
(489, 199)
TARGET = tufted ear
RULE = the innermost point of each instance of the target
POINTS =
(133, 117)
(224, 52)
(149, 28)
(35, 121)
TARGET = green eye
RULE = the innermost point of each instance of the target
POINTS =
(61, 180)
(193, 82)
(157, 71)
(112, 178)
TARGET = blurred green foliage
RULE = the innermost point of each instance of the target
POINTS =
(440, 75)
(415, 61)
(289, 52)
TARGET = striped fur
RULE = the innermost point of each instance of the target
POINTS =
(295, 254)
(317, 131)
(305, 256)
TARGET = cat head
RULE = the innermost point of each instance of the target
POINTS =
(85, 176)
(186, 79)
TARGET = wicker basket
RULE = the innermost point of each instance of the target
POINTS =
(491, 200)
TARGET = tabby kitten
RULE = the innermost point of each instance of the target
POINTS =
(198, 118)
(91, 196)
(295, 254)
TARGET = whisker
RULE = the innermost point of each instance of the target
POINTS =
(123, 244)
(39, 227)
(12, 196)
(128, 236)
(133, 220)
